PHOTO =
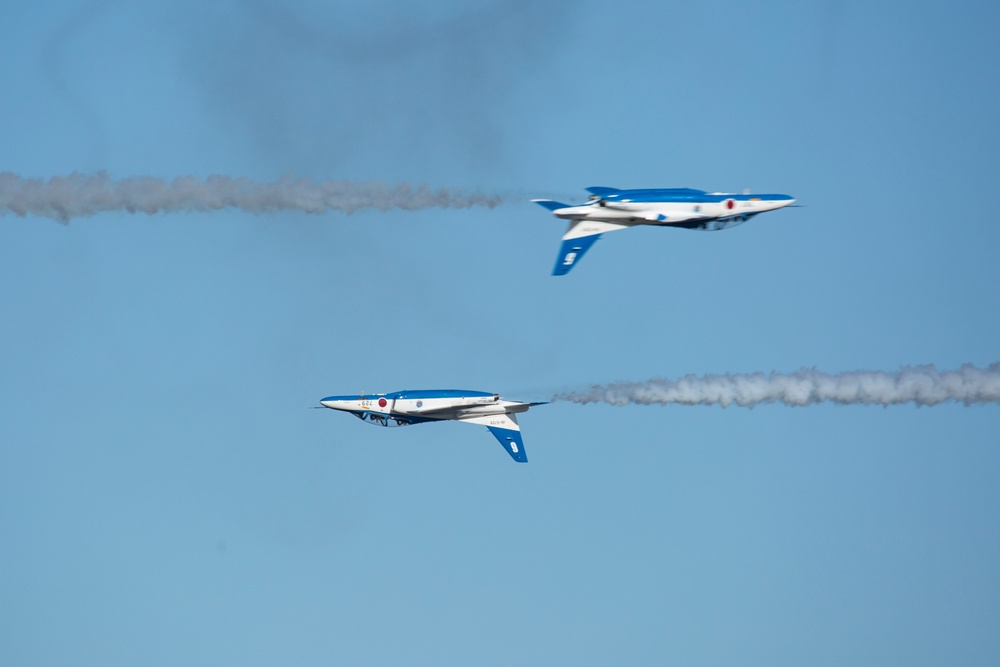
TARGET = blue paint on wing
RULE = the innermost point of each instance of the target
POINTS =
(601, 191)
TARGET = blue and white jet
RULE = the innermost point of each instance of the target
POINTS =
(402, 408)
(610, 209)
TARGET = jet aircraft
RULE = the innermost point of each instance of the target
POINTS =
(610, 209)
(402, 408)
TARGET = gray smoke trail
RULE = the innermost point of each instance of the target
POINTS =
(81, 195)
(923, 385)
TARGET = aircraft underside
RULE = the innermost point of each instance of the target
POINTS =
(379, 419)
(711, 225)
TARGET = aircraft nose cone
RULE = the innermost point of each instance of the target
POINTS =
(335, 402)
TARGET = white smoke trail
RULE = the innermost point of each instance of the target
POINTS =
(80, 195)
(923, 385)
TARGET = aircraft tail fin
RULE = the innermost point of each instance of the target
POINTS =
(571, 251)
(507, 432)
(549, 204)
(578, 239)
(511, 441)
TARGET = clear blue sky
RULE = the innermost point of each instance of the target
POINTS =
(166, 497)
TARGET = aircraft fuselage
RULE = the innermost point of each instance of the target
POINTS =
(672, 207)
(427, 405)
(611, 209)
(403, 408)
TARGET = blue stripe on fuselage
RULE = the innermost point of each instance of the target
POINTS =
(438, 393)
(686, 195)
(413, 393)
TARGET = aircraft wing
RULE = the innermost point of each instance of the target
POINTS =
(577, 240)
(506, 430)
(600, 190)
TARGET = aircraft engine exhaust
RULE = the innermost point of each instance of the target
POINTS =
(922, 385)
(81, 195)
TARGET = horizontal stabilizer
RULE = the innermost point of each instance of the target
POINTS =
(517, 408)
(549, 204)
(600, 191)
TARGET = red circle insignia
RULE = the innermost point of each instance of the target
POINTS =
(381, 402)
(730, 204)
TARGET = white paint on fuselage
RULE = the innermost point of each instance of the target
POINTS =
(359, 403)
(416, 406)
(624, 212)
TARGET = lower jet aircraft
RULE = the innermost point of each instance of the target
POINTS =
(402, 408)
(610, 209)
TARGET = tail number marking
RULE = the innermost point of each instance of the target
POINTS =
(570, 258)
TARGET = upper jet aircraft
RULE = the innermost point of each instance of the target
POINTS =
(402, 408)
(610, 209)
